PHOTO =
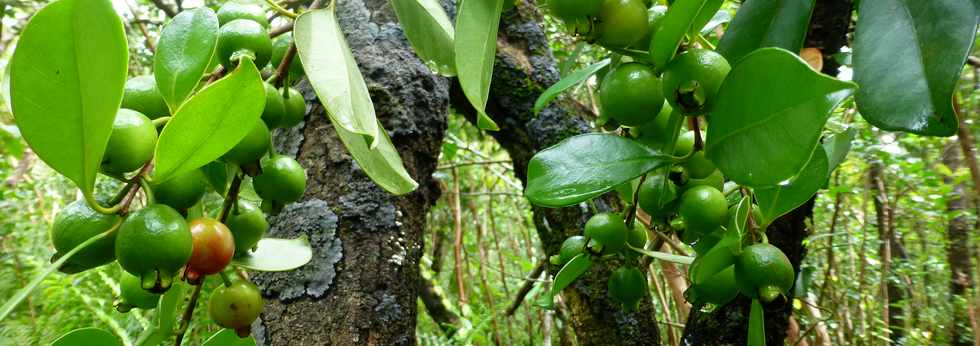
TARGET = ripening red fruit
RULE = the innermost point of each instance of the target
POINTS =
(214, 247)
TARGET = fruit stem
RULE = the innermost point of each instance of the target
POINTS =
(704, 42)
(225, 278)
(696, 127)
(185, 321)
(282, 71)
(146, 190)
(281, 10)
(231, 198)
(160, 122)
(92, 203)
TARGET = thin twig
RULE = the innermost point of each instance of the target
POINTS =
(526, 287)
(474, 163)
(185, 321)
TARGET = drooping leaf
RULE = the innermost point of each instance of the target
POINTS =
(269, 255)
(333, 73)
(575, 267)
(227, 337)
(707, 13)
(585, 166)
(757, 325)
(766, 23)
(66, 83)
(681, 16)
(907, 59)
(183, 53)
(383, 165)
(87, 336)
(776, 201)
(720, 17)
(211, 122)
(774, 106)
(837, 147)
(476, 47)
(429, 30)
(569, 81)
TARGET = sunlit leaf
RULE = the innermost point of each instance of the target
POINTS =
(66, 83)
(184, 50)
(211, 122)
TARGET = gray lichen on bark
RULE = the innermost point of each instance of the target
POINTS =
(372, 297)
(314, 219)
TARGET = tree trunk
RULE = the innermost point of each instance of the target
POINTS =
(728, 325)
(890, 249)
(958, 252)
(360, 287)
(525, 67)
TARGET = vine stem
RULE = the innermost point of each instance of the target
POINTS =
(281, 10)
(185, 321)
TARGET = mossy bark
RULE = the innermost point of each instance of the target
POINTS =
(524, 68)
(360, 288)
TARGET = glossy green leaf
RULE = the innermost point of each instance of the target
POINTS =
(766, 23)
(86, 337)
(757, 325)
(383, 164)
(681, 17)
(768, 115)
(227, 337)
(569, 81)
(165, 318)
(184, 50)
(211, 122)
(908, 55)
(713, 261)
(277, 255)
(66, 83)
(585, 166)
(837, 146)
(776, 201)
(575, 267)
(333, 73)
(705, 16)
(476, 48)
(429, 30)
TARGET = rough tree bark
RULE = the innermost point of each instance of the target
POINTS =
(360, 287)
(525, 67)
(728, 325)
(958, 252)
